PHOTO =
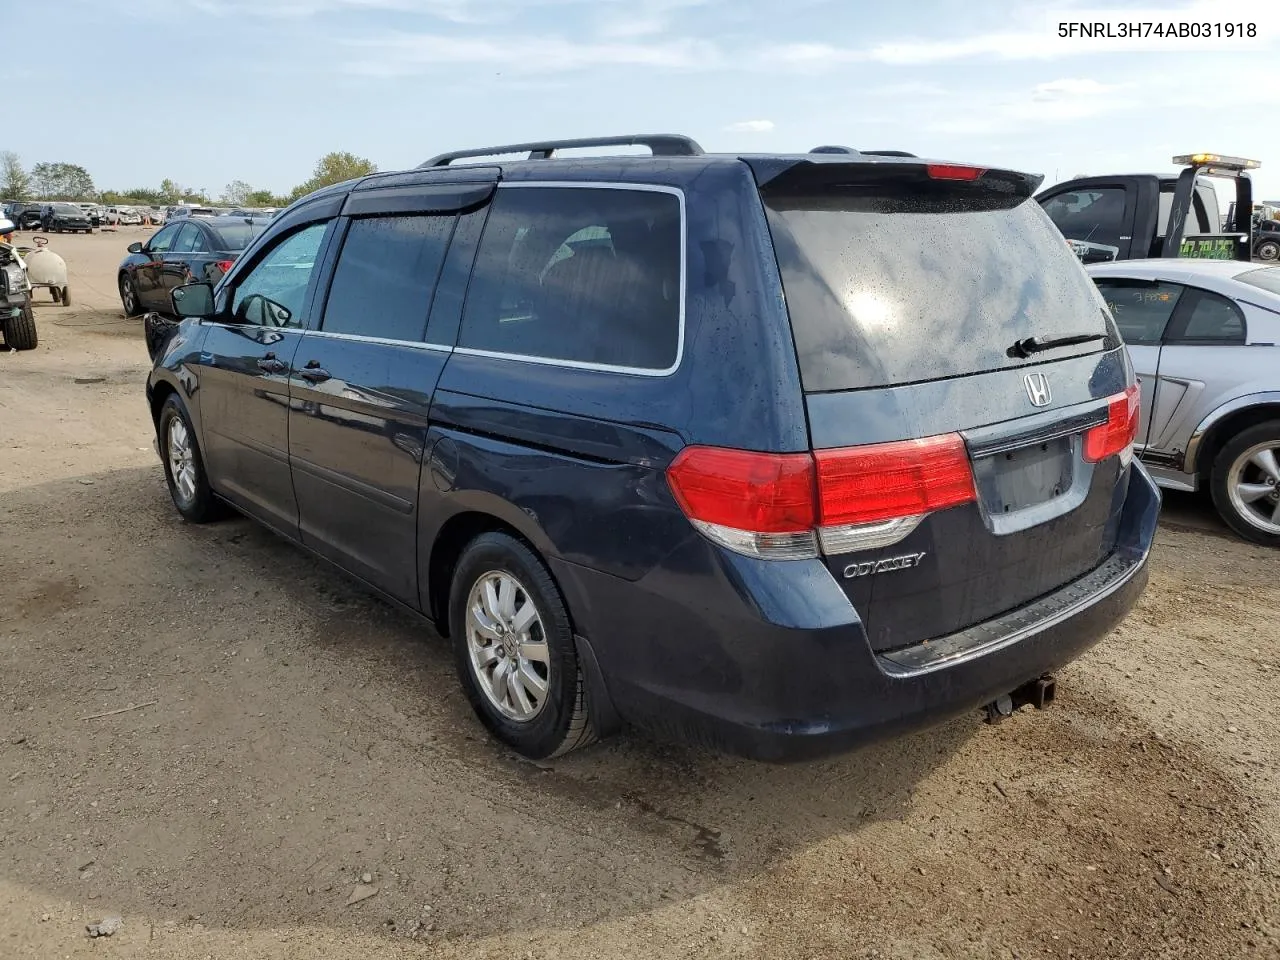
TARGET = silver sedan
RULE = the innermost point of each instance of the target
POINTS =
(1205, 340)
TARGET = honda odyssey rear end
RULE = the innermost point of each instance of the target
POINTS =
(967, 516)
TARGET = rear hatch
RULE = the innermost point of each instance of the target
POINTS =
(969, 401)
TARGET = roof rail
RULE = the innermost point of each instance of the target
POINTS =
(662, 145)
(889, 153)
(833, 149)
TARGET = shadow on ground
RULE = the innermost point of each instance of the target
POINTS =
(296, 735)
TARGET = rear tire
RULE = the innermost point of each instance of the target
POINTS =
(184, 464)
(1268, 250)
(1245, 483)
(20, 331)
(66, 296)
(527, 630)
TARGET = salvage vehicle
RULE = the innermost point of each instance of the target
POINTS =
(26, 216)
(65, 218)
(189, 248)
(17, 319)
(1135, 216)
(1204, 336)
(780, 453)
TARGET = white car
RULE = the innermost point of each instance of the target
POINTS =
(1203, 336)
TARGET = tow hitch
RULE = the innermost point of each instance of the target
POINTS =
(1039, 693)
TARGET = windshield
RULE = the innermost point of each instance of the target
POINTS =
(236, 236)
(886, 289)
(67, 208)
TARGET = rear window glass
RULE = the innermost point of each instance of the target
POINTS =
(1265, 278)
(901, 289)
(236, 236)
(578, 275)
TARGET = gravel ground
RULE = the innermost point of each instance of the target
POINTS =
(296, 744)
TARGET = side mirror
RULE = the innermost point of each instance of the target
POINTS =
(135, 247)
(193, 300)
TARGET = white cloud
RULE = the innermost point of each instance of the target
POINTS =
(405, 53)
(750, 126)
(1063, 89)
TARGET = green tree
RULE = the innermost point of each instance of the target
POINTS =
(14, 182)
(264, 198)
(334, 168)
(62, 181)
(236, 193)
(170, 192)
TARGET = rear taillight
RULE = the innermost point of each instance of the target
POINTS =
(787, 506)
(953, 171)
(1117, 435)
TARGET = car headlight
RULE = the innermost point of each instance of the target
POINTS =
(14, 279)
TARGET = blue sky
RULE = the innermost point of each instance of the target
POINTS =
(206, 91)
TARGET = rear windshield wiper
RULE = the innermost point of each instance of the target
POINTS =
(1030, 345)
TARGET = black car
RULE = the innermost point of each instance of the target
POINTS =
(779, 453)
(1266, 240)
(26, 216)
(65, 218)
(187, 250)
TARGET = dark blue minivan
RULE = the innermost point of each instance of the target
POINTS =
(778, 453)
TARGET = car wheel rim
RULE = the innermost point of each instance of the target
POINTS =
(507, 646)
(1254, 486)
(182, 464)
(126, 293)
(1268, 251)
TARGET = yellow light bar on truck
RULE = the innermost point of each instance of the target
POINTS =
(1217, 160)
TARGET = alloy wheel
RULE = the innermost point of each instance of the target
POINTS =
(1253, 484)
(508, 646)
(182, 464)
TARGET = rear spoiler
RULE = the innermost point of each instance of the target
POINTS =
(785, 175)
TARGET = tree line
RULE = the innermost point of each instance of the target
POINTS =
(70, 181)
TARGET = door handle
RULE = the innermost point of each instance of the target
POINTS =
(314, 373)
(269, 364)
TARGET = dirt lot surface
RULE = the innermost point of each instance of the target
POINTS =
(296, 741)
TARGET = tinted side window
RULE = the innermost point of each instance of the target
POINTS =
(163, 241)
(579, 275)
(1142, 310)
(1210, 318)
(1095, 215)
(386, 276)
(274, 291)
(188, 239)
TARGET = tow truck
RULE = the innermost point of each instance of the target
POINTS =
(1135, 216)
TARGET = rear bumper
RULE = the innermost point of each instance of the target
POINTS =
(769, 660)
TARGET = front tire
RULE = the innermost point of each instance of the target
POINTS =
(20, 331)
(128, 296)
(514, 649)
(1245, 483)
(66, 296)
(184, 465)
(1268, 250)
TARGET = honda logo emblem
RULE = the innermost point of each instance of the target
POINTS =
(1038, 392)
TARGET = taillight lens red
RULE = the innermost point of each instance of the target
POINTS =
(223, 266)
(1117, 435)
(760, 492)
(953, 171)
(800, 493)
(886, 481)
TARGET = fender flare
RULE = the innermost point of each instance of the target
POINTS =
(1235, 405)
